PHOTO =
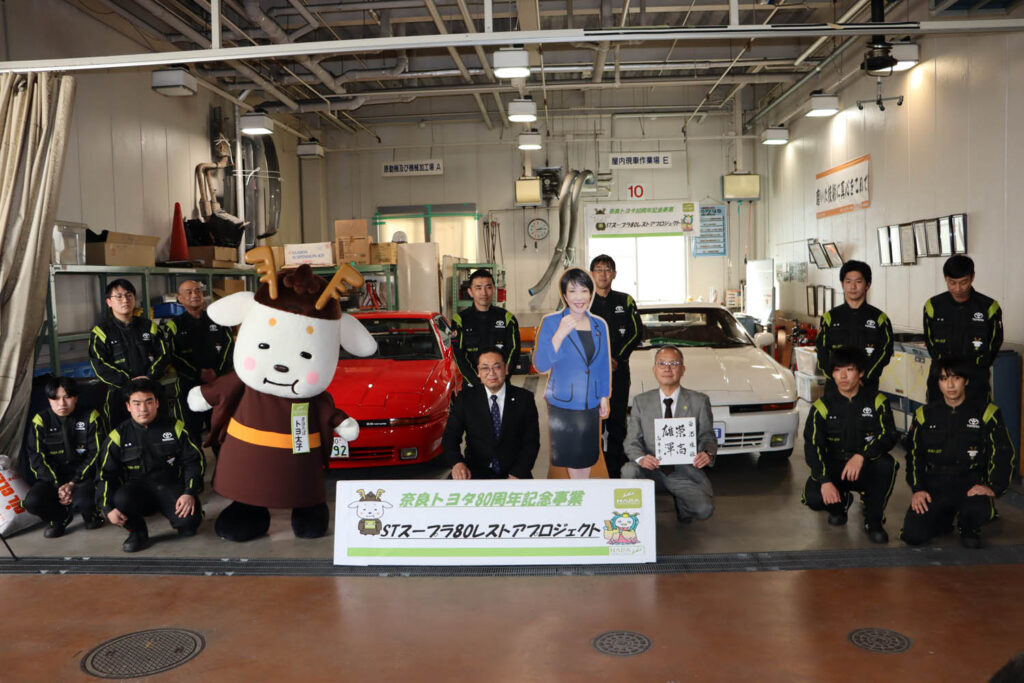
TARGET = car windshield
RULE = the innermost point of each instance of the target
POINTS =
(400, 339)
(692, 327)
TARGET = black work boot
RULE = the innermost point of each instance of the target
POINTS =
(875, 530)
(56, 529)
(138, 539)
(970, 538)
(93, 520)
(838, 518)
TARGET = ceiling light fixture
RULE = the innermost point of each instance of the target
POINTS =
(907, 55)
(256, 123)
(311, 149)
(823, 105)
(878, 59)
(776, 135)
(530, 140)
(522, 110)
(176, 82)
(511, 62)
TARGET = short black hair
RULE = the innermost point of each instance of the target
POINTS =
(602, 258)
(126, 285)
(577, 275)
(953, 365)
(478, 273)
(845, 357)
(143, 384)
(68, 384)
(490, 349)
(958, 266)
(858, 267)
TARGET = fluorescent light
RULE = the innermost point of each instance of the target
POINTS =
(907, 55)
(174, 82)
(530, 141)
(522, 110)
(775, 136)
(824, 105)
(511, 62)
(257, 123)
(311, 149)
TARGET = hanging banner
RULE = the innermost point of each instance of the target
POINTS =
(392, 169)
(843, 189)
(618, 161)
(711, 240)
(635, 219)
(507, 521)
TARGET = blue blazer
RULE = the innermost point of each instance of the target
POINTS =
(576, 382)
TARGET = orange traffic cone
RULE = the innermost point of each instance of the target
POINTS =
(179, 245)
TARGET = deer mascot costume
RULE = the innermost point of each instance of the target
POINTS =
(272, 415)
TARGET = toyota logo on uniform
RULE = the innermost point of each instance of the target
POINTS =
(974, 423)
(167, 436)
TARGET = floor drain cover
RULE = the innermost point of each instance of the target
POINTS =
(143, 653)
(622, 643)
(880, 640)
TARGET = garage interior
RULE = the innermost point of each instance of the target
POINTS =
(381, 82)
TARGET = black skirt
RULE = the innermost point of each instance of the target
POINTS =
(575, 436)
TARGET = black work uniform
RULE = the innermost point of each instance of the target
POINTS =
(972, 331)
(195, 344)
(864, 328)
(120, 352)
(145, 469)
(474, 330)
(62, 450)
(951, 450)
(624, 334)
(838, 428)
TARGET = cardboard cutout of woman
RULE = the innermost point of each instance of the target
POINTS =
(573, 344)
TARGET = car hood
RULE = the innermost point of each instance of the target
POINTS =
(401, 386)
(728, 376)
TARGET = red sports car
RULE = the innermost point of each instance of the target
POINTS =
(401, 395)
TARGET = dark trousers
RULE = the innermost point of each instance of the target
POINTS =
(874, 484)
(949, 501)
(615, 424)
(43, 502)
(139, 498)
(978, 385)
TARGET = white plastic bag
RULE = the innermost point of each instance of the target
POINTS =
(13, 488)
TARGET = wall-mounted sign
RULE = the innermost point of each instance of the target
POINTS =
(541, 521)
(711, 240)
(623, 160)
(639, 218)
(390, 169)
(843, 188)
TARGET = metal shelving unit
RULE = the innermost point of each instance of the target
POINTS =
(387, 271)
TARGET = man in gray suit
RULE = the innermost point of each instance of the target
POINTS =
(690, 487)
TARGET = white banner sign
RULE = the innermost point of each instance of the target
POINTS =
(675, 440)
(540, 521)
(843, 188)
(631, 160)
(404, 168)
(633, 219)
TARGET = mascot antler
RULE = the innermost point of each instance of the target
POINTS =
(263, 259)
(346, 277)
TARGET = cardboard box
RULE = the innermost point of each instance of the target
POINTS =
(313, 253)
(224, 286)
(354, 250)
(386, 252)
(356, 227)
(122, 249)
(213, 257)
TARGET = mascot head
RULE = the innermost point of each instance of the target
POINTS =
(291, 328)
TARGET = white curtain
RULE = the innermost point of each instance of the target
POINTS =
(35, 116)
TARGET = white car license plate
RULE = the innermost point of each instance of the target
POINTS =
(720, 432)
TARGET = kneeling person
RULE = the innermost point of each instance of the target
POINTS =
(63, 443)
(500, 423)
(150, 464)
(847, 438)
(688, 484)
(960, 460)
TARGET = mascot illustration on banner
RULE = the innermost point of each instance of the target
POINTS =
(272, 415)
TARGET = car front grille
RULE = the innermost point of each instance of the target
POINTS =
(743, 439)
(367, 453)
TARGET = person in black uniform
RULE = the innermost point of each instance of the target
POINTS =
(63, 442)
(960, 460)
(625, 331)
(199, 348)
(962, 323)
(482, 326)
(124, 346)
(847, 438)
(856, 324)
(148, 464)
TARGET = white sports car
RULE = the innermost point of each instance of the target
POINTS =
(753, 398)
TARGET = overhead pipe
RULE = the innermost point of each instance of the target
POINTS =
(601, 54)
(351, 104)
(574, 220)
(846, 16)
(385, 74)
(563, 232)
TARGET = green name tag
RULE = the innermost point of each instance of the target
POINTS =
(300, 428)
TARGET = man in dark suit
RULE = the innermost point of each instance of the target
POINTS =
(500, 423)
